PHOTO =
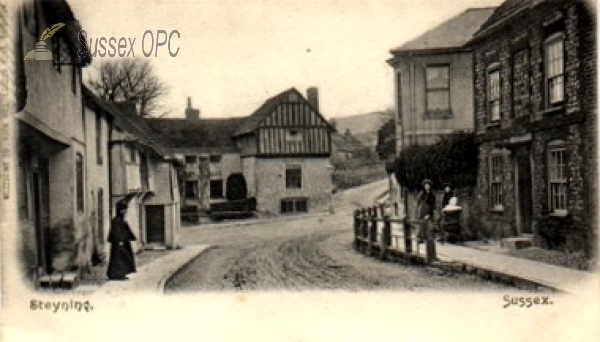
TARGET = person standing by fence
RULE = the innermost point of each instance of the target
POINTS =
(425, 209)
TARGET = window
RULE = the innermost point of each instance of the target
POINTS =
(191, 189)
(496, 176)
(293, 135)
(132, 154)
(294, 205)
(215, 166)
(293, 177)
(144, 174)
(216, 188)
(79, 181)
(190, 159)
(557, 176)
(74, 79)
(493, 93)
(520, 82)
(100, 215)
(61, 53)
(99, 146)
(438, 89)
(554, 64)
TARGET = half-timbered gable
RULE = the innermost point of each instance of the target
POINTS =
(287, 125)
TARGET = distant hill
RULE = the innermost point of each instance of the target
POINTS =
(362, 126)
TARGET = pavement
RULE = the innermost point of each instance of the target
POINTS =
(152, 277)
(498, 262)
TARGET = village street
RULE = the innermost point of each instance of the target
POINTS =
(311, 252)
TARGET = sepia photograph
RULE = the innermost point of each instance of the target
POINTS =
(280, 170)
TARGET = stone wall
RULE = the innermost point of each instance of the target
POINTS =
(532, 122)
(270, 182)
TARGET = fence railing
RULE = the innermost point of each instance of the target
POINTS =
(375, 236)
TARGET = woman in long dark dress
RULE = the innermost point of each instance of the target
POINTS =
(425, 209)
(122, 261)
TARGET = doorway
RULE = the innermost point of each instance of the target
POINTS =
(155, 224)
(523, 190)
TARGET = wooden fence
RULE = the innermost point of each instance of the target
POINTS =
(376, 233)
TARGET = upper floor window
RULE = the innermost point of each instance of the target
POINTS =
(554, 67)
(99, 142)
(79, 182)
(132, 154)
(293, 177)
(557, 176)
(74, 79)
(293, 135)
(61, 53)
(493, 92)
(496, 177)
(437, 89)
(215, 166)
(191, 189)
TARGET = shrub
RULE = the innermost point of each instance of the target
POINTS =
(236, 187)
(453, 160)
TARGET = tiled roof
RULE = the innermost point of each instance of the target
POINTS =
(252, 122)
(126, 118)
(453, 33)
(507, 10)
(204, 135)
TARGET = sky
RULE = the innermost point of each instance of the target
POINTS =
(235, 54)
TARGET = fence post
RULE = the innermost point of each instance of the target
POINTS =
(356, 228)
(386, 238)
(430, 243)
(372, 230)
(407, 238)
(363, 228)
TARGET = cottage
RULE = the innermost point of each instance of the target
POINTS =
(53, 207)
(535, 105)
(434, 80)
(282, 151)
(144, 174)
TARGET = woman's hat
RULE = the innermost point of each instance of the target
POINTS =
(426, 181)
(121, 205)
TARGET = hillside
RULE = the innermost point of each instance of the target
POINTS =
(362, 126)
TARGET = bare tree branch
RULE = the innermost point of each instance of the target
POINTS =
(130, 80)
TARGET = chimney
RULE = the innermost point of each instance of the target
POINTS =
(191, 113)
(312, 95)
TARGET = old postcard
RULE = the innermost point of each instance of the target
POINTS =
(280, 170)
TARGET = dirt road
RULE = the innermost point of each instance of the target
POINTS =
(310, 252)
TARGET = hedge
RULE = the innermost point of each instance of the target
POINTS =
(453, 159)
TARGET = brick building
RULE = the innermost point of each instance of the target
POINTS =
(535, 120)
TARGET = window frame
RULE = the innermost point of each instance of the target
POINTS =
(430, 90)
(293, 182)
(496, 180)
(293, 205)
(493, 68)
(79, 182)
(557, 146)
(210, 188)
(99, 149)
(550, 40)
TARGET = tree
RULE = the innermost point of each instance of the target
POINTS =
(129, 80)
(386, 140)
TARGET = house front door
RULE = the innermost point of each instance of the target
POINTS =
(523, 190)
(155, 224)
